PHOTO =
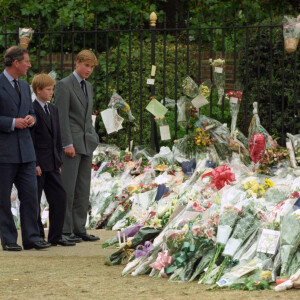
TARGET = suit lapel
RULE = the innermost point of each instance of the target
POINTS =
(39, 111)
(11, 91)
(78, 91)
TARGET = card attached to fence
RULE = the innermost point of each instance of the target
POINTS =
(165, 132)
(268, 241)
(156, 108)
(234, 100)
(112, 121)
(150, 81)
(153, 70)
(218, 70)
(199, 101)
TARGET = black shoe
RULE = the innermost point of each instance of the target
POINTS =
(63, 242)
(88, 237)
(37, 245)
(71, 237)
(12, 247)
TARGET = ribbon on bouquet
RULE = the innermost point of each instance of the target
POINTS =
(143, 250)
(181, 259)
(163, 260)
(220, 176)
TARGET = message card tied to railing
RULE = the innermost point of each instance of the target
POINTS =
(291, 33)
(25, 36)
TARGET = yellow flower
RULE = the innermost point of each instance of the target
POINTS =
(269, 183)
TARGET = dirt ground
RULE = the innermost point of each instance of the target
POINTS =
(79, 273)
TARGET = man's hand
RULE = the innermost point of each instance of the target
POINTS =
(70, 151)
(21, 123)
(38, 171)
(30, 120)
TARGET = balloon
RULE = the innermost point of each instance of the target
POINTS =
(257, 147)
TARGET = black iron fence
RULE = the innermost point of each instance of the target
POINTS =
(254, 55)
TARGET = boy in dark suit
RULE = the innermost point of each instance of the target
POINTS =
(48, 148)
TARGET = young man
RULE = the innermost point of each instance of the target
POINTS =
(48, 149)
(74, 100)
(17, 156)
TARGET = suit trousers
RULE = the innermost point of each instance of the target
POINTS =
(52, 185)
(76, 177)
(23, 175)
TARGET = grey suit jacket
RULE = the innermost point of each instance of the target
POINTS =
(16, 145)
(75, 115)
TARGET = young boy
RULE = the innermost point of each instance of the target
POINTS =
(48, 148)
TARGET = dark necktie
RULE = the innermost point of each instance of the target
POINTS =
(83, 86)
(47, 110)
(17, 87)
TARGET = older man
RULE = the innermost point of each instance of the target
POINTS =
(17, 156)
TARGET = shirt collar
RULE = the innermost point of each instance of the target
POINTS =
(41, 103)
(79, 79)
(9, 77)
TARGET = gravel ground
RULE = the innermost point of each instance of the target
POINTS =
(79, 273)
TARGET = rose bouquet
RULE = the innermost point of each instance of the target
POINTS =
(291, 33)
(235, 98)
(219, 76)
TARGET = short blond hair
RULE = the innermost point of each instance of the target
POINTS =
(87, 55)
(41, 81)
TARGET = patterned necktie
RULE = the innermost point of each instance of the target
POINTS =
(17, 87)
(83, 86)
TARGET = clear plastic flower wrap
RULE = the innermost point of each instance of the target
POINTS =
(289, 238)
(25, 36)
(295, 139)
(219, 76)
(291, 33)
(116, 101)
(164, 157)
(184, 107)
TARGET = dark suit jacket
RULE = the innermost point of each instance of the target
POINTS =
(75, 115)
(47, 138)
(16, 146)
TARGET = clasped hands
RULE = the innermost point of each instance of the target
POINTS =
(22, 123)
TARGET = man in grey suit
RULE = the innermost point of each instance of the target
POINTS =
(17, 156)
(74, 99)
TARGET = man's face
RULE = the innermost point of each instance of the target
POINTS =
(84, 69)
(23, 65)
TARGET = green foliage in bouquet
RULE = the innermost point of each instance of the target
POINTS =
(269, 98)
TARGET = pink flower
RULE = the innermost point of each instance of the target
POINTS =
(296, 195)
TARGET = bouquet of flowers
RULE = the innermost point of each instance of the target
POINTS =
(248, 223)
(235, 98)
(228, 218)
(116, 101)
(291, 33)
(289, 239)
(254, 189)
(25, 36)
(219, 76)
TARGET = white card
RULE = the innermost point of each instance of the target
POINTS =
(218, 70)
(112, 121)
(153, 70)
(199, 101)
(268, 241)
(94, 120)
(234, 100)
(165, 132)
(150, 81)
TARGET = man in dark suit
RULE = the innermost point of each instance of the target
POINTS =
(48, 149)
(17, 156)
(74, 99)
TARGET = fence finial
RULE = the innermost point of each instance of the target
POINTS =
(153, 19)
